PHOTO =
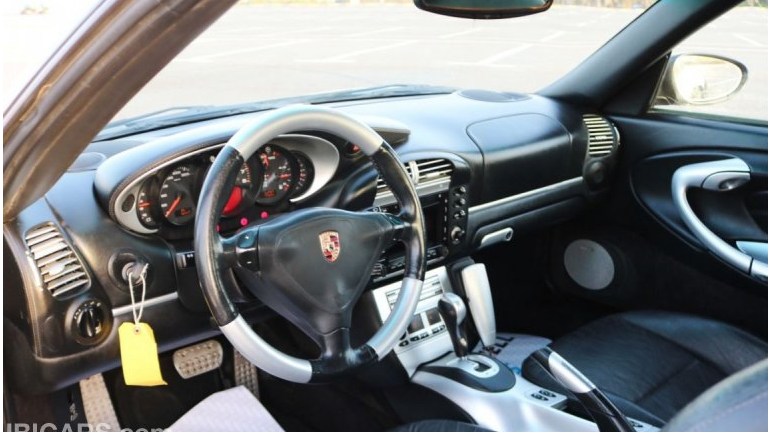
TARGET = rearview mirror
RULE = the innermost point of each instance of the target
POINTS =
(700, 79)
(484, 9)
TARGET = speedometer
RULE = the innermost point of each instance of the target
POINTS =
(277, 170)
(176, 201)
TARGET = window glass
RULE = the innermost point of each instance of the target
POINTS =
(268, 49)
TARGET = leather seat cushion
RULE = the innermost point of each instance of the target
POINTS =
(652, 363)
(439, 426)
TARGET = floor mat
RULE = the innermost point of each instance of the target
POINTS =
(233, 410)
(158, 407)
(512, 349)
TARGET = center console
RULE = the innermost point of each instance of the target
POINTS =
(481, 386)
(426, 338)
(445, 223)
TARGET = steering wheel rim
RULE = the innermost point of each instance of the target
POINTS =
(263, 267)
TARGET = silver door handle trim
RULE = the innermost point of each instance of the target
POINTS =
(721, 175)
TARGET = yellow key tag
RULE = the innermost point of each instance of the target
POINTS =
(138, 351)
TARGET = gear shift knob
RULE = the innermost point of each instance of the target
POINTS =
(453, 311)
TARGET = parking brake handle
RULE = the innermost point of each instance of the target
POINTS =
(607, 417)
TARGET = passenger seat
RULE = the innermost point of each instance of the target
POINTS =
(652, 363)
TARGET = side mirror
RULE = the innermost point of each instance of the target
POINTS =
(700, 79)
(484, 9)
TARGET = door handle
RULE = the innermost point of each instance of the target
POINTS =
(722, 175)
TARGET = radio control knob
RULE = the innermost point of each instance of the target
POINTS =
(457, 234)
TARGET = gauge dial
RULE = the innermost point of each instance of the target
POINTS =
(144, 207)
(244, 177)
(176, 201)
(278, 175)
(305, 175)
(235, 201)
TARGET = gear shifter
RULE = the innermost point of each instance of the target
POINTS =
(453, 311)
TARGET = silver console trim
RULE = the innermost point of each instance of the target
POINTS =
(530, 193)
(413, 355)
(513, 410)
(398, 319)
(480, 299)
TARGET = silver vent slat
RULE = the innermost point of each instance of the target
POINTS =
(59, 267)
(429, 175)
(603, 137)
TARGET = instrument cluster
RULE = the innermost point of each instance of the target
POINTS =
(264, 185)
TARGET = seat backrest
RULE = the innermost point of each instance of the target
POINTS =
(738, 403)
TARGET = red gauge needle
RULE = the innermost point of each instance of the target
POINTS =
(265, 160)
(173, 206)
(142, 205)
(282, 176)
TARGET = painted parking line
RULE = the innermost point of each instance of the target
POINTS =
(207, 57)
(553, 36)
(272, 34)
(461, 33)
(504, 54)
(347, 57)
(749, 40)
(373, 32)
(491, 61)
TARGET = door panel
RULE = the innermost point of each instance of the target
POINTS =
(657, 148)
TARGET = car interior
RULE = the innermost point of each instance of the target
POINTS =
(430, 259)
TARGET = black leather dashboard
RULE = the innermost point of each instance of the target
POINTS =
(520, 160)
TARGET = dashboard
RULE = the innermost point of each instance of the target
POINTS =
(487, 167)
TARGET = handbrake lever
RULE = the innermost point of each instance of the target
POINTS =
(607, 417)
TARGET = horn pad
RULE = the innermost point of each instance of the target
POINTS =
(314, 264)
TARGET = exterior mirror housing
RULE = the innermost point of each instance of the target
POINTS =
(700, 79)
(484, 9)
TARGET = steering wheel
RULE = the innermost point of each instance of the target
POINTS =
(311, 265)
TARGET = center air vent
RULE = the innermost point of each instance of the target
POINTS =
(428, 175)
(603, 136)
(61, 271)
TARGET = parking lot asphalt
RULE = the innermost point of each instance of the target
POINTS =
(260, 52)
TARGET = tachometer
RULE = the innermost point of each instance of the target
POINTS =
(176, 201)
(278, 175)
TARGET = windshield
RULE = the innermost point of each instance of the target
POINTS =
(265, 50)
(259, 51)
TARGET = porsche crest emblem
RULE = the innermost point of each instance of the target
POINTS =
(330, 245)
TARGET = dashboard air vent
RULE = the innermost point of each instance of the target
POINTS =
(61, 271)
(603, 136)
(428, 175)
